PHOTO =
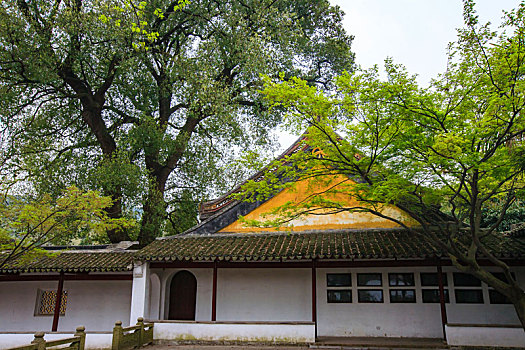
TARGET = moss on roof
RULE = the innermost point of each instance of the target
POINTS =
(336, 244)
(74, 261)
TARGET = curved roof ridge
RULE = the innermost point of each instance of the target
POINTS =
(281, 232)
(217, 204)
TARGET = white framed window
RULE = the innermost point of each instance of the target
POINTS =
(370, 295)
(431, 279)
(401, 294)
(496, 297)
(339, 291)
(467, 289)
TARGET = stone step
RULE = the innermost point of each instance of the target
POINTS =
(378, 343)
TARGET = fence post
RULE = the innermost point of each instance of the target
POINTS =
(82, 334)
(39, 341)
(117, 336)
(140, 322)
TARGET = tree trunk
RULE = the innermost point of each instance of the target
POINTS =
(93, 117)
(115, 212)
(154, 213)
(92, 105)
(519, 305)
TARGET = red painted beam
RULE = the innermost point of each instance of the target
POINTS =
(58, 301)
(104, 277)
(180, 264)
(319, 263)
(75, 277)
(234, 265)
(290, 264)
(214, 294)
(14, 278)
(442, 299)
(314, 296)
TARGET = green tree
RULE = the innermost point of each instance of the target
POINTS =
(27, 226)
(146, 100)
(514, 217)
(442, 154)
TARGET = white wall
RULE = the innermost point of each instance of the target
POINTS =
(17, 306)
(95, 305)
(264, 295)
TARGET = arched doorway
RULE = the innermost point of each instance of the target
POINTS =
(183, 296)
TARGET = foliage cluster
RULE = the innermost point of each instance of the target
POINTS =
(73, 216)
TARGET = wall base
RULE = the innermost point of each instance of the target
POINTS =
(485, 335)
(286, 332)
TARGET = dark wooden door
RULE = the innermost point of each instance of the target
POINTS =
(183, 296)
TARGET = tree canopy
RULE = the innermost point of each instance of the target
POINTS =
(27, 226)
(147, 101)
(445, 154)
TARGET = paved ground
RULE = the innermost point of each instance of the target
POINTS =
(281, 347)
(381, 342)
(223, 347)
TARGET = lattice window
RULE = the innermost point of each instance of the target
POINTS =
(46, 302)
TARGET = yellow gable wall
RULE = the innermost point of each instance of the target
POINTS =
(341, 220)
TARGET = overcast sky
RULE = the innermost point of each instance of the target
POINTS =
(414, 33)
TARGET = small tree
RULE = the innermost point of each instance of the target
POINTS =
(443, 155)
(27, 226)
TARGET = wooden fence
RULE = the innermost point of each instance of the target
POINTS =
(133, 336)
(77, 342)
(123, 338)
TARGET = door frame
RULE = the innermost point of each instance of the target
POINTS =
(169, 287)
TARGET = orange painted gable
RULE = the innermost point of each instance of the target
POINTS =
(343, 220)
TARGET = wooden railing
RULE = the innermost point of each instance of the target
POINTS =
(77, 342)
(123, 338)
(133, 336)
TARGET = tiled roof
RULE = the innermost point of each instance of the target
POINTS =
(518, 231)
(335, 244)
(75, 261)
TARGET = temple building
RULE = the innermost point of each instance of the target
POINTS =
(338, 275)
